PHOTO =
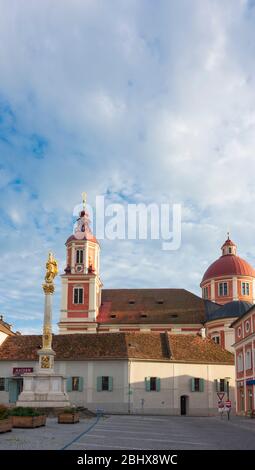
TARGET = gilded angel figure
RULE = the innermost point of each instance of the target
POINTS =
(51, 269)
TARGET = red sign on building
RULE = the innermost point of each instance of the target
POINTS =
(22, 370)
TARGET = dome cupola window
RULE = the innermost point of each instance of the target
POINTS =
(229, 247)
(245, 288)
(223, 289)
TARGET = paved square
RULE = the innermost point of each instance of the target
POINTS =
(137, 432)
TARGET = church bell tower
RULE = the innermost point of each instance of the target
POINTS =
(81, 284)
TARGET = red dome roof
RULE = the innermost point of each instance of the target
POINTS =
(229, 265)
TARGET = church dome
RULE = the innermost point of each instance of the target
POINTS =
(229, 264)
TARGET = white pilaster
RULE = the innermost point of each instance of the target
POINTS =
(86, 263)
(235, 291)
(212, 290)
(253, 291)
(92, 298)
(63, 309)
(72, 258)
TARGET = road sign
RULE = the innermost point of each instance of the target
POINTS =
(221, 395)
(228, 404)
(220, 404)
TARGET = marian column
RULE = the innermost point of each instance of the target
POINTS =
(45, 388)
(46, 354)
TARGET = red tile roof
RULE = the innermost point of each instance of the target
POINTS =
(151, 306)
(228, 265)
(148, 346)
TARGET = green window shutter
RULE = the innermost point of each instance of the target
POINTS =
(217, 385)
(158, 384)
(147, 384)
(80, 385)
(69, 384)
(225, 386)
(110, 384)
(192, 382)
(99, 384)
(201, 385)
(6, 384)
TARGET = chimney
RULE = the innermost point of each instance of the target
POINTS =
(202, 332)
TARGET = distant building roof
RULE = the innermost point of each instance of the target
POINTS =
(147, 346)
(132, 306)
(5, 327)
(235, 322)
(232, 309)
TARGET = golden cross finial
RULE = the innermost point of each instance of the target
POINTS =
(84, 199)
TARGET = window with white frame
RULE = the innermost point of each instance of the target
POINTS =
(78, 295)
(239, 332)
(223, 289)
(248, 359)
(245, 288)
(240, 362)
(216, 339)
(79, 256)
(205, 292)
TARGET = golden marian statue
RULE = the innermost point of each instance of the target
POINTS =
(51, 272)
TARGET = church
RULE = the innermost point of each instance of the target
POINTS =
(228, 290)
(157, 351)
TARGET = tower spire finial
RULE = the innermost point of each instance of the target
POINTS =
(84, 199)
(228, 234)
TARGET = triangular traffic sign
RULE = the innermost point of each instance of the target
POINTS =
(221, 395)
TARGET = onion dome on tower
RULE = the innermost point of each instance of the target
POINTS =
(229, 278)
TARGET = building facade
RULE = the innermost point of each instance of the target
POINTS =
(153, 373)
(244, 347)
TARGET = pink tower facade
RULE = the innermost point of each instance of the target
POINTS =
(81, 284)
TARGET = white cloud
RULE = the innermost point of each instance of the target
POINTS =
(152, 103)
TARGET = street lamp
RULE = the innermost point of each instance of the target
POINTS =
(227, 380)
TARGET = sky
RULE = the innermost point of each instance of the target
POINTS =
(149, 101)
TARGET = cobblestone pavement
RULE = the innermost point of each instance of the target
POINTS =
(137, 432)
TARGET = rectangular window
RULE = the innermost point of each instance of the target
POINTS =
(216, 339)
(75, 384)
(105, 383)
(197, 385)
(248, 359)
(79, 256)
(245, 288)
(78, 295)
(222, 385)
(205, 292)
(2, 384)
(152, 384)
(240, 362)
(223, 289)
